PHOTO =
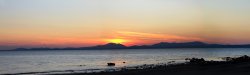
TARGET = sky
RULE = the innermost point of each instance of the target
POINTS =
(80, 23)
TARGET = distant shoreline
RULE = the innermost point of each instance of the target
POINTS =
(162, 45)
(113, 49)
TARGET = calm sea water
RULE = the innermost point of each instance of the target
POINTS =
(59, 60)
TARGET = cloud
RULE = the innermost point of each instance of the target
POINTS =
(156, 37)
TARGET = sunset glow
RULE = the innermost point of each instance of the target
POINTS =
(80, 23)
(117, 41)
(119, 37)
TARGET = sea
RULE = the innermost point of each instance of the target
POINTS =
(65, 61)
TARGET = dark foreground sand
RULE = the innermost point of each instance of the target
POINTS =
(236, 66)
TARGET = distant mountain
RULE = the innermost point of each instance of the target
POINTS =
(106, 46)
(195, 44)
(109, 46)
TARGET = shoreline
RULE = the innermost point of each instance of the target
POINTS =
(195, 66)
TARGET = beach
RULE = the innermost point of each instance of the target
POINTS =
(237, 66)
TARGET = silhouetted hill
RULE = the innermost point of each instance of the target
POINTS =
(106, 46)
(195, 44)
(177, 45)
(110, 46)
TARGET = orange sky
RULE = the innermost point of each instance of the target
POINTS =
(77, 23)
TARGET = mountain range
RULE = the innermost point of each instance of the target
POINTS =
(162, 45)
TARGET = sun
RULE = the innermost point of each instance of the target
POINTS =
(117, 41)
